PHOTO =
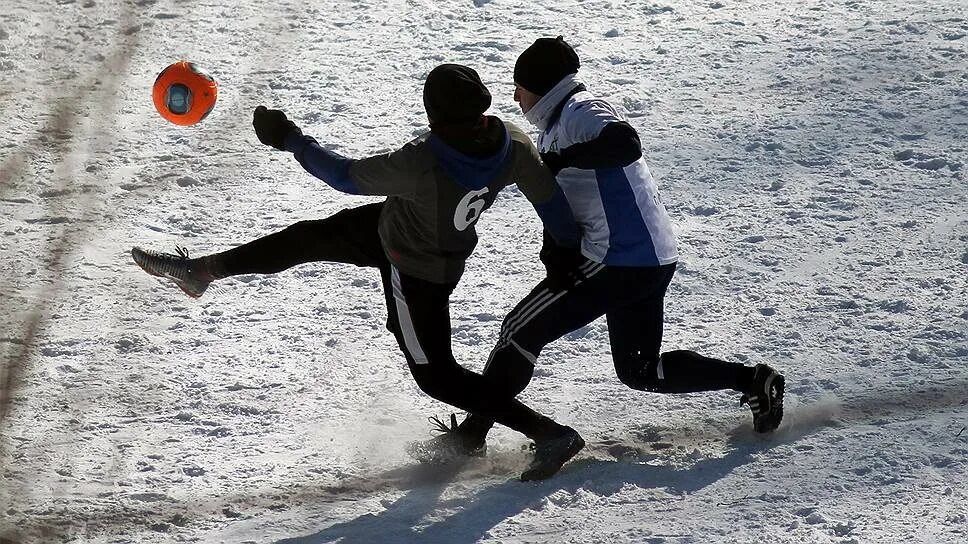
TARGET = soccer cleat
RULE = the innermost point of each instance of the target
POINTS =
(551, 453)
(450, 445)
(765, 398)
(179, 268)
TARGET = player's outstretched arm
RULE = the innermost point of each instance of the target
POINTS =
(274, 129)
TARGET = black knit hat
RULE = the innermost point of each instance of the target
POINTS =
(454, 94)
(544, 64)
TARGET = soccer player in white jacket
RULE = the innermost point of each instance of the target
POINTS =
(618, 263)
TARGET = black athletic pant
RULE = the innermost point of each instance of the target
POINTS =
(418, 311)
(631, 299)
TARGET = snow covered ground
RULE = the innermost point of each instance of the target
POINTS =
(813, 157)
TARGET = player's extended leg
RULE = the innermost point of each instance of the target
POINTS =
(635, 335)
(349, 236)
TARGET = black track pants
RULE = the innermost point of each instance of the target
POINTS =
(631, 299)
(349, 236)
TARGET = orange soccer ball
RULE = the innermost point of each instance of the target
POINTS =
(184, 95)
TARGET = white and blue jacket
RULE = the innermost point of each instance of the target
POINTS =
(600, 169)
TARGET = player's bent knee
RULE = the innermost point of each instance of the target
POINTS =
(508, 372)
(511, 381)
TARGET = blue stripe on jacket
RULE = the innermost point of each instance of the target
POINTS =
(326, 165)
(629, 241)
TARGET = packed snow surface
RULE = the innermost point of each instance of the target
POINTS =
(812, 155)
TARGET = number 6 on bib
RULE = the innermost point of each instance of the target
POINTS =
(469, 209)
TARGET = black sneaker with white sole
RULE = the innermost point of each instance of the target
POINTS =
(187, 273)
(765, 398)
(551, 453)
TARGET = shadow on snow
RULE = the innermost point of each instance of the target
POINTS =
(421, 516)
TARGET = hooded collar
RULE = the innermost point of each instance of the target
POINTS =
(470, 172)
(545, 110)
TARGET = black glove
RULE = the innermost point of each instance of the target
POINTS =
(272, 127)
(563, 264)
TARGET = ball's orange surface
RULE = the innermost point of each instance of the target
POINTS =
(183, 94)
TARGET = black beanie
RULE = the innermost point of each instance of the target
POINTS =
(454, 94)
(544, 64)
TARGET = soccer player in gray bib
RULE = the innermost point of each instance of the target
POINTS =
(437, 186)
